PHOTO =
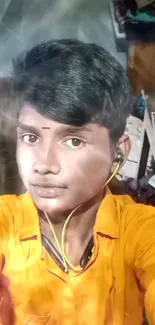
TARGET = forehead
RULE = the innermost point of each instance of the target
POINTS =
(29, 116)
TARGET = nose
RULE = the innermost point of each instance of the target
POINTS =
(47, 162)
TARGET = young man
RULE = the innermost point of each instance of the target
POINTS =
(73, 252)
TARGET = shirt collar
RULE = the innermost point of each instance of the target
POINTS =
(106, 219)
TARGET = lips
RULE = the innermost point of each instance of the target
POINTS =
(47, 190)
(46, 185)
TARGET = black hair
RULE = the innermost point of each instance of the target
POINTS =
(75, 83)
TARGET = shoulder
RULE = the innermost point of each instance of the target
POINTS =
(136, 226)
(10, 203)
(132, 212)
(13, 207)
(134, 220)
(120, 216)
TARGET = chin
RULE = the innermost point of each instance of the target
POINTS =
(50, 206)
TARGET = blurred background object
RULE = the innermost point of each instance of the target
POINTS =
(9, 105)
(26, 23)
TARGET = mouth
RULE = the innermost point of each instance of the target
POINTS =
(47, 185)
(47, 190)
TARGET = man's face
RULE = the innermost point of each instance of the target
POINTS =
(61, 166)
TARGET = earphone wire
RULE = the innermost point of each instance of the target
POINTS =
(76, 269)
(113, 174)
(61, 246)
(56, 240)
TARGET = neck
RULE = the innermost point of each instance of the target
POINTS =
(81, 223)
(79, 230)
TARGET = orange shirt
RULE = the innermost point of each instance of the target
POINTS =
(114, 287)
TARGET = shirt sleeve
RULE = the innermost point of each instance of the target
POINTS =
(7, 314)
(6, 225)
(143, 253)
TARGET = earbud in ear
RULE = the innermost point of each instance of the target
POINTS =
(119, 158)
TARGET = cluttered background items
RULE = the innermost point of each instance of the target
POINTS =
(136, 27)
(137, 177)
(144, 3)
(135, 20)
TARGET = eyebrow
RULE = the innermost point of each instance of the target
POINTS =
(26, 127)
(74, 129)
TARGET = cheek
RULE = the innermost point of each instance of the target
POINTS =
(24, 162)
(89, 171)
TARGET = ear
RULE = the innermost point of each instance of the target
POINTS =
(124, 145)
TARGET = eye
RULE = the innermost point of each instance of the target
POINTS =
(74, 143)
(30, 138)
